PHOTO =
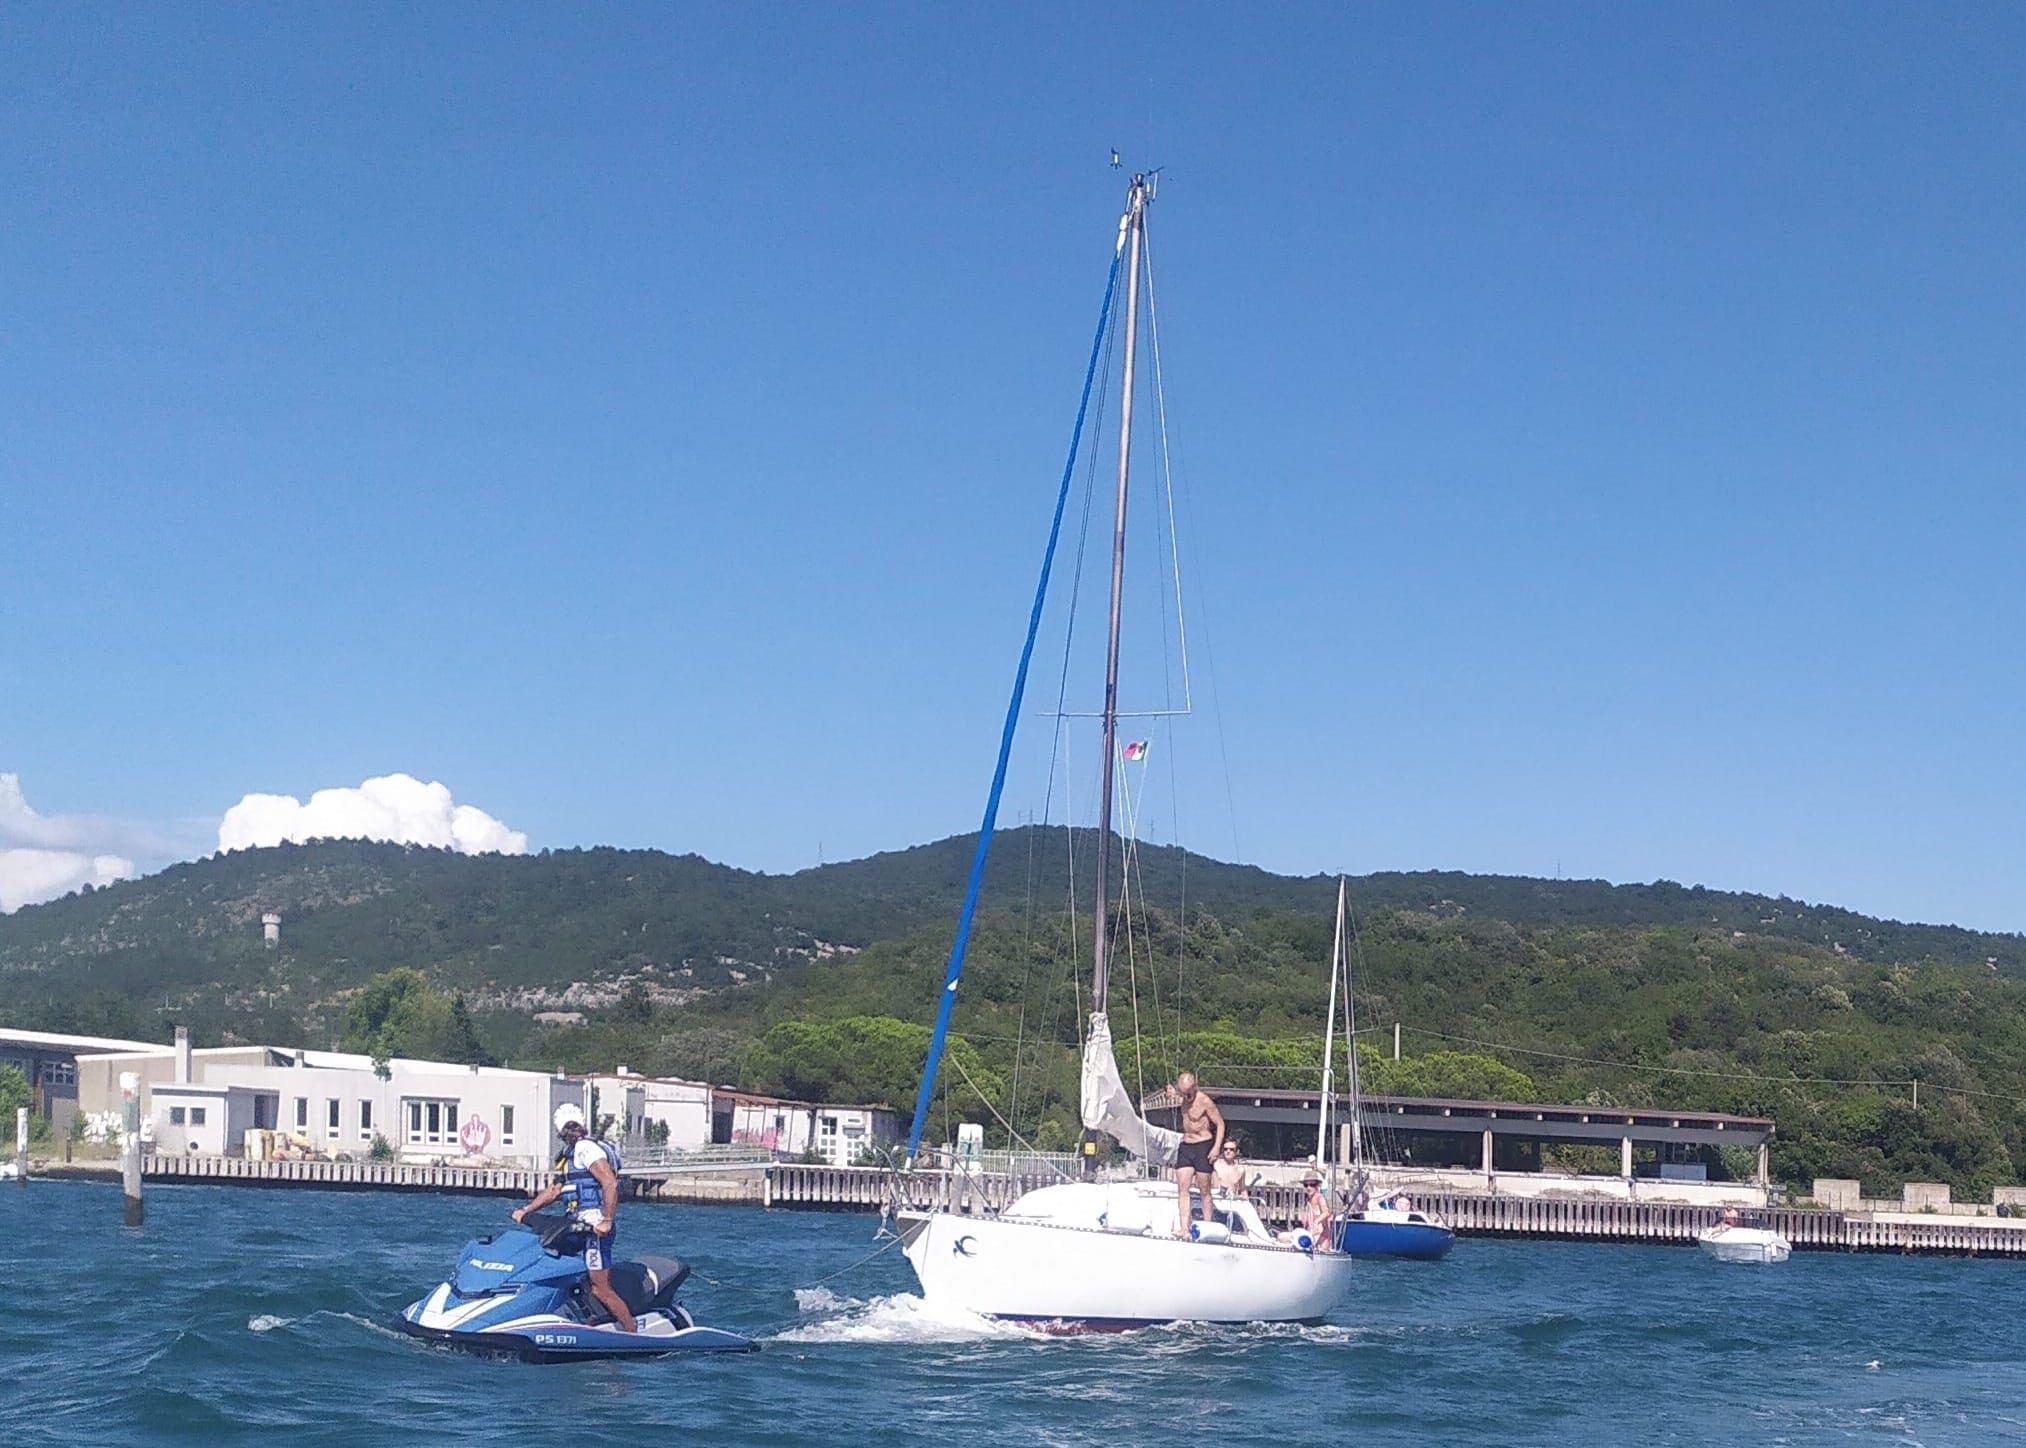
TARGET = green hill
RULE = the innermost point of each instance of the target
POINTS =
(821, 981)
(190, 935)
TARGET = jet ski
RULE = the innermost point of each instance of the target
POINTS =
(523, 1293)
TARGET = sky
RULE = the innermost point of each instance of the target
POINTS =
(1597, 430)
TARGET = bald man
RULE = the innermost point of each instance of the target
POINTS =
(1202, 1139)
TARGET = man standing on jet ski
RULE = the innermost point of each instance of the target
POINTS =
(589, 1190)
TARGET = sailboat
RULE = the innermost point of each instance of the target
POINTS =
(1088, 1254)
(1391, 1226)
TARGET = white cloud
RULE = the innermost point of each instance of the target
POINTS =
(394, 807)
(44, 856)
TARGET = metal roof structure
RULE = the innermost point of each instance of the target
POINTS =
(1528, 1118)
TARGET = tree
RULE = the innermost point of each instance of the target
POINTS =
(1452, 1074)
(864, 1060)
(14, 1093)
(634, 1005)
(398, 1013)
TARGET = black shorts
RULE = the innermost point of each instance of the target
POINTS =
(1194, 1156)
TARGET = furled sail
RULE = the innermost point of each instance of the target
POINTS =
(1107, 1107)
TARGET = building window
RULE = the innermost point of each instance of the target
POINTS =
(302, 1113)
(175, 1116)
(830, 1126)
(506, 1126)
(331, 1115)
(365, 1121)
(59, 1073)
(196, 1116)
(432, 1123)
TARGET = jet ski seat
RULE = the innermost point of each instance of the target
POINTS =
(645, 1284)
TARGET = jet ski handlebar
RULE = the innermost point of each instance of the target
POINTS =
(550, 1227)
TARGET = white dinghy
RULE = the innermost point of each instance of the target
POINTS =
(1096, 1254)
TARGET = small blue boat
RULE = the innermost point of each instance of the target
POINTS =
(1391, 1232)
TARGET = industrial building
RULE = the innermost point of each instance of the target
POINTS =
(838, 1135)
(49, 1061)
(652, 1110)
(233, 1100)
(1499, 1145)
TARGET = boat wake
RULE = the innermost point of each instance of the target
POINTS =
(270, 1322)
(905, 1317)
(902, 1317)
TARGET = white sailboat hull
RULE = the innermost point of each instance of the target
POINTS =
(1095, 1256)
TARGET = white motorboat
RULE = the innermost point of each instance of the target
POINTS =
(1741, 1242)
(1093, 1254)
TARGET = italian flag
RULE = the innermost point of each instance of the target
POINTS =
(1135, 751)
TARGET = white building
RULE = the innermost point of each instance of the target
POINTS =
(839, 1135)
(334, 1103)
(640, 1105)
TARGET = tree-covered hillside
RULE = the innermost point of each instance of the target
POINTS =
(190, 936)
(1826, 1044)
(822, 982)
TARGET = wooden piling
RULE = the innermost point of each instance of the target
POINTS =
(130, 1148)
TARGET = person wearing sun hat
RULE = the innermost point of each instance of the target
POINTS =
(1316, 1213)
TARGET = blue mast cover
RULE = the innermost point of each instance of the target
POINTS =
(955, 970)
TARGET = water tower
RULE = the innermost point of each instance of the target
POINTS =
(270, 929)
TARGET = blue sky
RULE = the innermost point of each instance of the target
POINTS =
(1599, 426)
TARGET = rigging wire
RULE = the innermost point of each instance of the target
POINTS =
(1174, 562)
(953, 972)
(1012, 1134)
(1057, 755)
(1027, 961)
(1173, 470)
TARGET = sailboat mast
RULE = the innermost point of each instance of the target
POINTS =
(1357, 1100)
(1131, 231)
(1322, 1125)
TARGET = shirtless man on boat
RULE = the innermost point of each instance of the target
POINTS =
(1202, 1139)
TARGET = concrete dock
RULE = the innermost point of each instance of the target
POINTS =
(868, 1189)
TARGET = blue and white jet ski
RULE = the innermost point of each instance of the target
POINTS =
(523, 1293)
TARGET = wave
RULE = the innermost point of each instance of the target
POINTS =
(902, 1317)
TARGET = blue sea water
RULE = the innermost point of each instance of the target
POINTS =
(243, 1315)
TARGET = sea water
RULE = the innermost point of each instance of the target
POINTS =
(262, 1315)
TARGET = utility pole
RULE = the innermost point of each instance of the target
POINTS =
(1396, 1040)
